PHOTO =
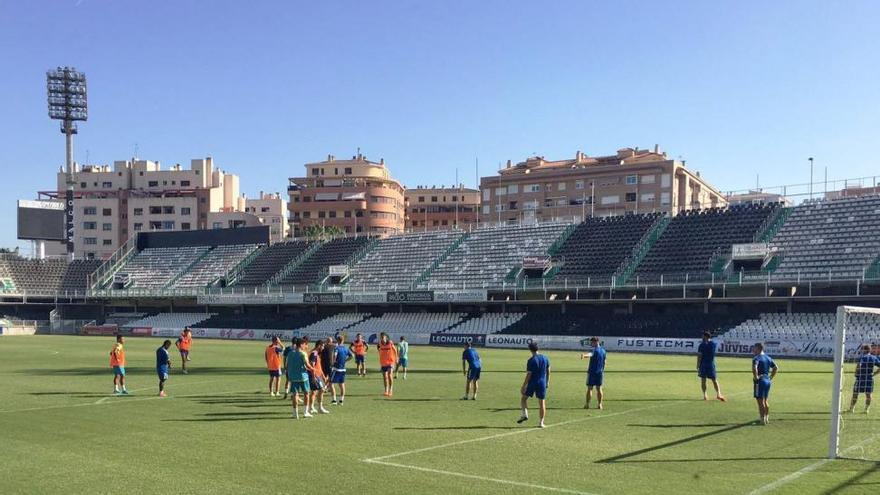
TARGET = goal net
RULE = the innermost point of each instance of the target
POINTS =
(855, 434)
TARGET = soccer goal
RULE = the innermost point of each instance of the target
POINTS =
(855, 433)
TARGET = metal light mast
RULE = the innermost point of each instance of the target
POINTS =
(66, 91)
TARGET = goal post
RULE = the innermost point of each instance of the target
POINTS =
(852, 435)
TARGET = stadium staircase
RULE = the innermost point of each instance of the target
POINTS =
(873, 271)
(773, 224)
(355, 258)
(183, 272)
(294, 264)
(103, 276)
(235, 272)
(452, 247)
(629, 267)
(553, 250)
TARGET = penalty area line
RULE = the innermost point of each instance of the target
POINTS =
(478, 477)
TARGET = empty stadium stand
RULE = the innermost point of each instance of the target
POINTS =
(31, 276)
(486, 256)
(692, 238)
(863, 328)
(215, 264)
(398, 262)
(396, 324)
(271, 261)
(334, 252)
(76, 276)
(599, 246)
(259, 321)
(627, 325)
(155, 268)
(169, 320)
(487, 323)
(829, 239)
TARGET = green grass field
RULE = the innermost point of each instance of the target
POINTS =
(219, 431)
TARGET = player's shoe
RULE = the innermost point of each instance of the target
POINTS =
(601, 406)
(586, 406)
(163, 394)
(323, 411)
(117, 392)
(340, 402)
(307, 414)
(722, 398)
(541, 425)
(705, 397)
(465, 397)
(295, 416)
(522, 419)
(474, 398)
(185, 372)
(124, 392)
(333, 402)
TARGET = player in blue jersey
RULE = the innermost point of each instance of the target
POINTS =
(763, 372)
(595, 372)
(337, 375)
(536, 383)
(706, 365)
(471, 367)
(163, 365)
(864, 378)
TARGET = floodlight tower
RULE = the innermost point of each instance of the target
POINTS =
(66, 90)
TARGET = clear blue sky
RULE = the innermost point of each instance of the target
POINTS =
(735, 88)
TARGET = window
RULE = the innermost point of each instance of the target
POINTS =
(153, 183)
(665, 180)
(90, 210)
(445, 222)
(185, 226)
(359, 213)
(218, 225)
(421, 199)
(184, 183)
(649, 179)
(168, 210)
(632, 180)
(107, 212)
(332, 213)
(167, 225)
(512, 205)
(455, 199)
(347, 214)
(610, 200)
(90, 241)
(83, 185)
(579, 185)
(307, 214)
(513, 189)
(265, 209)
(138, 227)
(348, 170)
(107, 185)
(185, 210)
(630, 197)
(664, 199)
(486, 209)
(107, 242)
(315, 171)
(548, 187)
(648, 198)
(486, 194)
(90, 225)
(138, 212)
(155, 210)
(499, 208)
(532, 188)
(530, 205)
(561, 186)
(433, 199)
(322, 214)
(307, 199)
(106, 227)
(500, 191)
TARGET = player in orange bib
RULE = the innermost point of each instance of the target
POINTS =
(273, 364)
(359, 349)
(117, 362)
(387, 360)
(184, 344)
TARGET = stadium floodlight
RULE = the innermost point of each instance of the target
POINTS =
(68, 102)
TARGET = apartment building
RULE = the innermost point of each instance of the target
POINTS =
(272, 210)
(111, 204)
(356, 195)
(432, 208)
(632, 180)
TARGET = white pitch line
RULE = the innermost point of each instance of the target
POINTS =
(104, 399)
(480, 478)
(126, 401)
(808, 469)
(526, 430)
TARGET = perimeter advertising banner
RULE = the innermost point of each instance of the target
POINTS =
(458, 339)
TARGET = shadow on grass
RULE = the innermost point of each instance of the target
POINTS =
(427, 399)
(440, 428)
(857, 481)
(674, 443)
(83, 395)
(725, 459)
(508, 409)
(708, 425)
(140, 370)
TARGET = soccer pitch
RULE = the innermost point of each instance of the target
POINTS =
(219, 431)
